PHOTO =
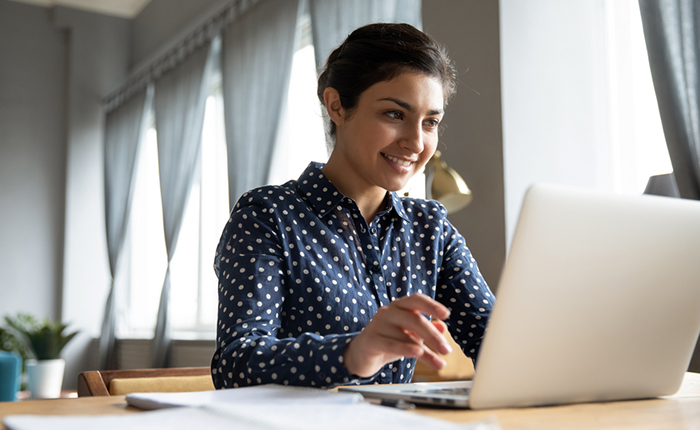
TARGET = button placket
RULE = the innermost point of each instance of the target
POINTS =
(369, 243)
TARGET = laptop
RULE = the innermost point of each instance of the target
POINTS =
(599, 301)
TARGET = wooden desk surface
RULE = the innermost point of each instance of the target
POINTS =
(680, 411)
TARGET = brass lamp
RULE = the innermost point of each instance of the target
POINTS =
(444, 184)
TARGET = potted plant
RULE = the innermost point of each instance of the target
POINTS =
(45, 340)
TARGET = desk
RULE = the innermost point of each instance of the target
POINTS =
(680, 411)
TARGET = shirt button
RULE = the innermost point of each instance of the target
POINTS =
(376, 268)
(373, 230)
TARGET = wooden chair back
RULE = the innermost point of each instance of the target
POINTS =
(98, 382)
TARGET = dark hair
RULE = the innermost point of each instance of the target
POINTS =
(380, 52)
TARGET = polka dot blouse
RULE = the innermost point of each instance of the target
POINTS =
(301, 273)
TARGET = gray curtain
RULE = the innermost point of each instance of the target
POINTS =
(123, 130)
(257, 53)
(672, 33)
(179, 103)
(333, 20)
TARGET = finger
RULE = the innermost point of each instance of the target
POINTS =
(399, 349)
(423, 304)
(419, 328)
(397, 333)
(439, 325)
(431, 359)
(407, 314)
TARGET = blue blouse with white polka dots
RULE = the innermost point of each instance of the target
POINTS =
(301, 273)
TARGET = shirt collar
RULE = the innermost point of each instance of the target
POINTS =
(318, 190)
(323, 196)
(397, 206)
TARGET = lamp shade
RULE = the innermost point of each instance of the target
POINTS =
(662, 185)
(445, 185)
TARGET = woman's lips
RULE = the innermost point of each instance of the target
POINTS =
(404, 163)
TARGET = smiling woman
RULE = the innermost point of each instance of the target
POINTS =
(384, 140)
(333, 278)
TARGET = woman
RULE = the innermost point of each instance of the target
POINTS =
(333, 279)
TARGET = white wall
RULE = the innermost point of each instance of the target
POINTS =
(98, 57)
(57, 65)
(32, 160)
(554, 96)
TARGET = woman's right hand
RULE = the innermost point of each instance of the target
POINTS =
(400, 330)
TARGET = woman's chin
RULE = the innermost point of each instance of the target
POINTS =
(396, 187)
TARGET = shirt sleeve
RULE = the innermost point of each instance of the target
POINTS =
(252, 272)
(462, 288)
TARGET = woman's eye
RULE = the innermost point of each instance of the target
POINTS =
(432, 123)
(395, 114)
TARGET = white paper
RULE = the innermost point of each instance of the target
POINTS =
(357, 416)
(174, 419)
(268, 394)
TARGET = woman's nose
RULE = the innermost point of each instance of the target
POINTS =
(413, 138)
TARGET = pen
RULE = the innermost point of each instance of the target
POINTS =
(398, 404)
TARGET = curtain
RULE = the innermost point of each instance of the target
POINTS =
(123, 130)
(672, 34)
(256, 65)
(179, 103)
(333, 20)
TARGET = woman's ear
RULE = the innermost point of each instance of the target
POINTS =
(331, 99)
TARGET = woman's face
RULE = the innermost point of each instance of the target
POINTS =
(391, 133)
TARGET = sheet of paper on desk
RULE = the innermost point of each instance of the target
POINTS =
(269, 394)
(250, 417)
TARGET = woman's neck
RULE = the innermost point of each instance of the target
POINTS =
(369, 199)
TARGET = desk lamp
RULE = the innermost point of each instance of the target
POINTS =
(444, 184)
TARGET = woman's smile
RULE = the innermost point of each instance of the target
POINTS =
(387, 138)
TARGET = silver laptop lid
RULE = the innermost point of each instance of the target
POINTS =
(599, 300)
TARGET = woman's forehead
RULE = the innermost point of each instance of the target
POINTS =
(411, 89)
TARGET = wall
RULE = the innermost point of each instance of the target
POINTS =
(472, 142)
(555, 105)
(32, 159)
(97, 61)
(57, 65)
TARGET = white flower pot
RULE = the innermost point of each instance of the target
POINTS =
(45, 377)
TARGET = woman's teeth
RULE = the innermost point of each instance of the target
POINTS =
(397, 161)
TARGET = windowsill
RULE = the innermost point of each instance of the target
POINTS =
(188, 349)
(193, 335)
(178, 336)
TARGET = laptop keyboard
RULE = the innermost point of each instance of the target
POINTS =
(460, 391)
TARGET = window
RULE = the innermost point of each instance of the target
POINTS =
(146, 259)
(301, 138)
(578, 103)
(194, 296)
(193, 300)
(637, 141)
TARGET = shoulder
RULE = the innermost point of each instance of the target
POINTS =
(268, 196)
(430, 211)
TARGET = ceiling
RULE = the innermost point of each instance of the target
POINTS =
(120, 8)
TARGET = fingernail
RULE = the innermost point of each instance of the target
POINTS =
(441, 364)
(446, 347)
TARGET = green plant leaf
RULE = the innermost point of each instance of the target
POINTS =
(45, 339)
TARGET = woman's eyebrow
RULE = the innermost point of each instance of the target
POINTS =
(410, 107)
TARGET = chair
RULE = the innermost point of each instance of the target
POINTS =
(458, 367)
(122, 382)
